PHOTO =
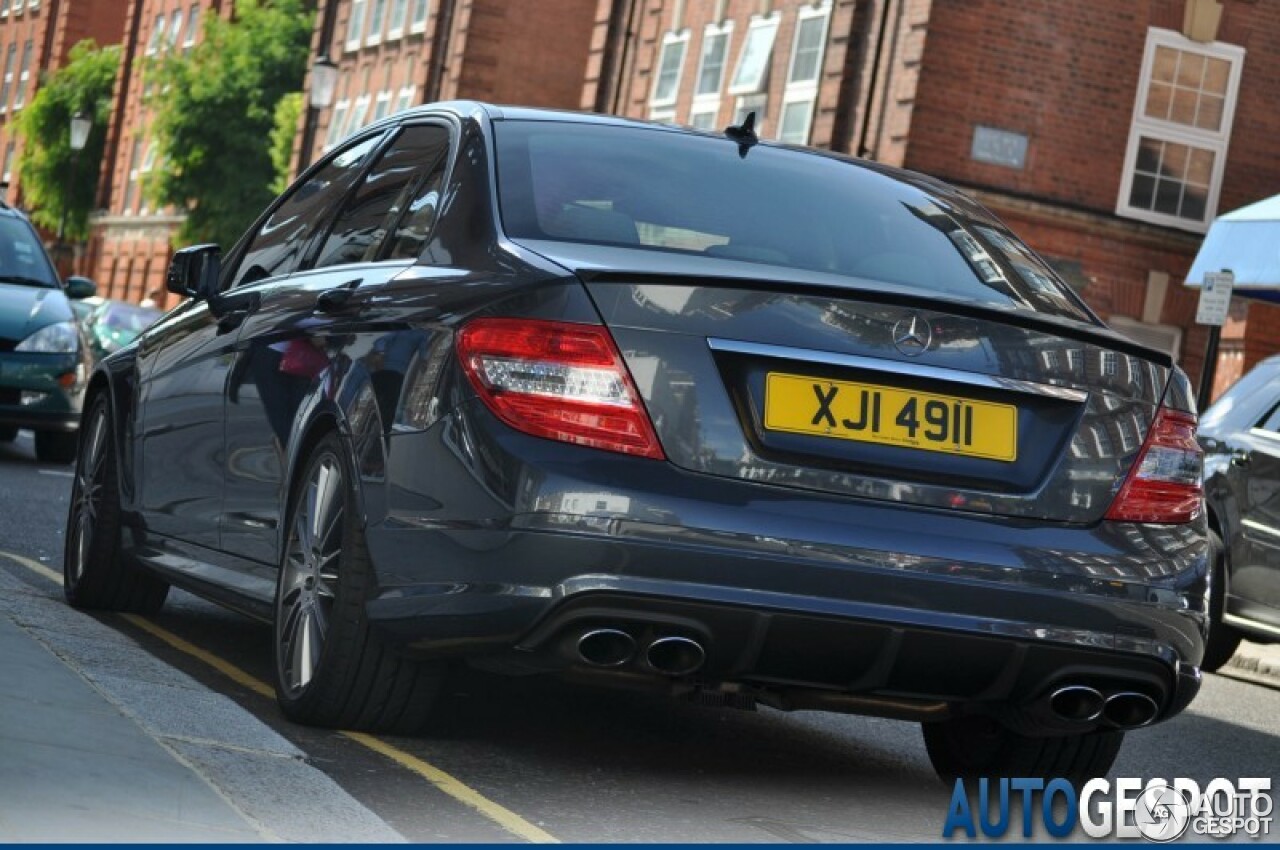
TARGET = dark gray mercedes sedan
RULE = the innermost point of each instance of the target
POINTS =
(691, 412)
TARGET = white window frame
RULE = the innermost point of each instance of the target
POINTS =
(396, 30)
(32, 4)
(704, 108)
(4, 8)
(418, 23)
(663, 115)
(377, 22)
(8, 162)
(740, 107)
(176, 22)
(10, 56)
(193, 25)
(359, 114)
(1216, 141)
(157, 34)
(336, 120)
(669, 41)
(382, 105)
(756, 84)
(713, 31)
(804, 91)
(355, 24)
(24, 74)
(404, 99)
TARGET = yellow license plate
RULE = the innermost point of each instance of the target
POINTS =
(871, 413)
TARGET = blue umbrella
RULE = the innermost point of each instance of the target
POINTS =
(1246, 241)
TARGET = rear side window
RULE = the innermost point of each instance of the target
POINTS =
(658, 190)
(280, 244)
(386, 193)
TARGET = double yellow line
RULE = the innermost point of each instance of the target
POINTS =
(454, 787)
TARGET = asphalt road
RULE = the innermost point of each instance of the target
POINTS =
(595, 765)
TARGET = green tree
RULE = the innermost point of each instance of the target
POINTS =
(215, 109)
(55, 178)
(282, 135)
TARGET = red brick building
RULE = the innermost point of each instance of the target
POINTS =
(35, 37)
(129, 243)
(1109, 135)
(392, 54)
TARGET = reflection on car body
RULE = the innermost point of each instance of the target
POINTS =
(512, 369)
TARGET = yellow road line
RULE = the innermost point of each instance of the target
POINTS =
(455, 788)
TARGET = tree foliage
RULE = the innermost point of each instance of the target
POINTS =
(282, 135)
(53, 176)
(215, 109)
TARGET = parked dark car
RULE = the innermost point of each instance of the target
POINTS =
(694, 412)
(44, 360)
(1241, 437)
(111, 324)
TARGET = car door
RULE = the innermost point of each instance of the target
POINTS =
(323, 335)
(1255, 576)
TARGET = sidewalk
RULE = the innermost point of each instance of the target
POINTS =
(1255, 662)
(100, 741)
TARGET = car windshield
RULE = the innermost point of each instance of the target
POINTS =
(22, 258)
(654, 189)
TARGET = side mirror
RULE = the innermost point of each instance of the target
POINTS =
(194, 271)
(80, 287)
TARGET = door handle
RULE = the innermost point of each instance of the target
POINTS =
(334, 300)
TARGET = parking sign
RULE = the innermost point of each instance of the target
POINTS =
(1215, 298)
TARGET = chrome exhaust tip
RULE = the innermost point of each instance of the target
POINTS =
(675, 656)
(1129, 710)
(1077, 703)
(606, 647)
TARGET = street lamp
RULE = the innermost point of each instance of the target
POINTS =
(81, 127)
(324, 80)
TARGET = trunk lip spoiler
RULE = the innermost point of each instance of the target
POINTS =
(895, 367)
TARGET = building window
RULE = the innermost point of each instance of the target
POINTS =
(399, 10)
(377, 15)
(20, 96)
(1181, 129)
(175, 28)
(715, 48)
(359, 113)
(8, 76)
(666, 84)
(336, 121)
(7, 176)
(193, 20)
(753, 62)
(131, 185)
(704, 117)
(382, 105)
(803, 75)
(32, 4)
(405, 98)
(157, 32)
(419, 21)
(666, 115)
(355, 25)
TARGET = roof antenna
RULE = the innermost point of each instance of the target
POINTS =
(744, 134)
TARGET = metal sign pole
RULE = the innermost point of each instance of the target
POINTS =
(1215, 303)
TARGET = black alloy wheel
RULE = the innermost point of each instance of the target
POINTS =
(94, 574)
(331, 668)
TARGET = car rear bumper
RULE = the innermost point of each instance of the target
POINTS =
(491, 541)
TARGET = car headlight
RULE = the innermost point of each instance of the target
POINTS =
(58, 338)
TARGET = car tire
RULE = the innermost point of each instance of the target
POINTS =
(976, 746)
(8, 434)
(56, 446)
(331, 668)
(1223, 640)
(94, 575)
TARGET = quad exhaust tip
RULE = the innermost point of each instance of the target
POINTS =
(675, 656)
(1077, 703)
(606, 647)
(1129, 710)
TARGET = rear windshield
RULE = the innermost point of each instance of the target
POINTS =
(654, 189)
(22, 258)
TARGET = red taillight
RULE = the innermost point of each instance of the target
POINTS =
(557, 380)
(1165, 482)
